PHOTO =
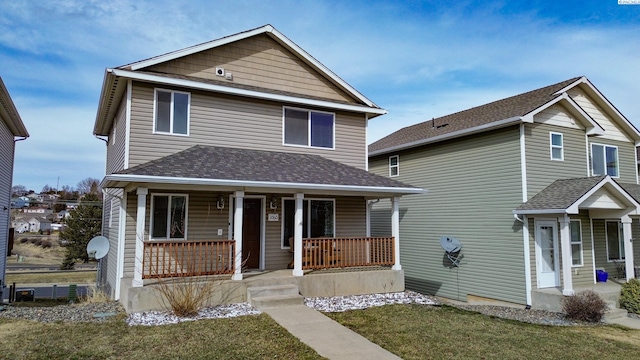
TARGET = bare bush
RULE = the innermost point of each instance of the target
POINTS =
(585, 306)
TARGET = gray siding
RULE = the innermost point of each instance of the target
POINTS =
(116, 151)
(469, 202)
(221, 120)
(7, 148)
(541, 170)
(626, 158)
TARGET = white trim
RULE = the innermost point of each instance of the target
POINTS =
(271, 32)
(186, 214)
(256, 184)
(263, 215)
(604, 153)
(552, 146)
(395, 231)
(494, 125)
(527, 257)
(593, 252)
(565, 246)
(554, 223)
(620, 240)
(142, 193)
(297, 235)
(309, 129)
(366, 148)
(237, 234)
(523, 164)
(245, 92)
(171, 111)
(627, 232)
(587, 148)
(122, 221)
(397, 165)
(635, 156)
(594, 129)
(581, 243)
(111, 213)
(127, 130)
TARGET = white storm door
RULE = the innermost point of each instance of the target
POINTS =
(547, 263)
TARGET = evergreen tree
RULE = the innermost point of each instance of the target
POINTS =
(83, 224)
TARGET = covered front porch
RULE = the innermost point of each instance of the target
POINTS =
(575, 227)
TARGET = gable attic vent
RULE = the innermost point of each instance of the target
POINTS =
(219, 71)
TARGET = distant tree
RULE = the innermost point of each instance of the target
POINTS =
(84, 223)
(89, 186)
(18, 190)
(45, 189)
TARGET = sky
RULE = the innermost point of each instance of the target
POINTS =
(416, 59)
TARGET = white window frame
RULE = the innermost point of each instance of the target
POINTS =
(309, 112)
(396, 166)
(171, 118)
(186, 215)
(604, 154)
(306, 211)
(579, 243)
(621, 256)
(552, 146)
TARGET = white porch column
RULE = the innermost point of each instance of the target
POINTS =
(395, 231)
(628, 246)
(140, 224)
(237, 234)
(297, 236)
(565, 245)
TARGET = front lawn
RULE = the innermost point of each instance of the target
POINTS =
(428, 332)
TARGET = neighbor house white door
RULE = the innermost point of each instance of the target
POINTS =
(547, 263)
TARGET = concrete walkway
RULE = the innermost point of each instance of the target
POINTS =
(326, 336)
(626, 321)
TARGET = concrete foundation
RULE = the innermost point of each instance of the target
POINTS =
(225, 291)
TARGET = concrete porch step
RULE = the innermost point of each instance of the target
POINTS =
(262, 297)
(613, 314)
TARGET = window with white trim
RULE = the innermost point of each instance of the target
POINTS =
(394, 165)
(308, 128)
(168, 216)
(556, 146)
(318, 219)
(615, 240)
(171, 112)
(604, 160)
(575, 231)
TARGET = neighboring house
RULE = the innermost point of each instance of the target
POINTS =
(11, 130)
(19, 202)
(243, 154)
(37, 224)
(38, 210)
(64, 214)
(539, 188)
(33, 197)
(20, 225)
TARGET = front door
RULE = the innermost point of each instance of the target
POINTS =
(547, 263)
(251, 233)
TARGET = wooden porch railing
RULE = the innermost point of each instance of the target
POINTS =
(187, 258)
(326, 253)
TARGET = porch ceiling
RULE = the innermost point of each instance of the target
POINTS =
(568, 196)
(229, 169)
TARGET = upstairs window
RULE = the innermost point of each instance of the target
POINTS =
(308, 128)
(394, 165)
(557, 146)
(168, 217)
(171, 112)
(604, 160)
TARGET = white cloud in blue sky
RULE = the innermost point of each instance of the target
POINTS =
(417, 59)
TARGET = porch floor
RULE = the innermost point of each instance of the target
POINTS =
(551, 298)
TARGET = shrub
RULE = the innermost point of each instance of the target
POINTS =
(38, 242)
(630, 296)
(585, 306)
(23, 240)
(33, 240)
(45, 244)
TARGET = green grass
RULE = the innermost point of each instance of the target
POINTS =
(427, 332)
(246, 337)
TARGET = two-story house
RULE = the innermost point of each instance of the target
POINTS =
(240, 156)
(538, 189)
(12, 129)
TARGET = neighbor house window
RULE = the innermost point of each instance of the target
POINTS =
(317, 219)
(604, 160)
(394, 165)
(172, 112)
(615, 240)
(557, 149)
(576, 242)
(308, 128)
(168, 216)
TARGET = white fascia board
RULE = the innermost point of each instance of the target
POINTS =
(593, 128)
(255, 184)
(274, 34)
(540, 212)
(477, 129)
(10, 114)
(247, 93)
(573, 209)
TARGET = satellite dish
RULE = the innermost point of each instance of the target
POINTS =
(98, 247)
(452, 246)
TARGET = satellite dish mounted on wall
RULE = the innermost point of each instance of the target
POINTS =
(452, 247)
(98, 247)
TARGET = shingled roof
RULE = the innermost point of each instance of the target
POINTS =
(243, 165)
(510, 108)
